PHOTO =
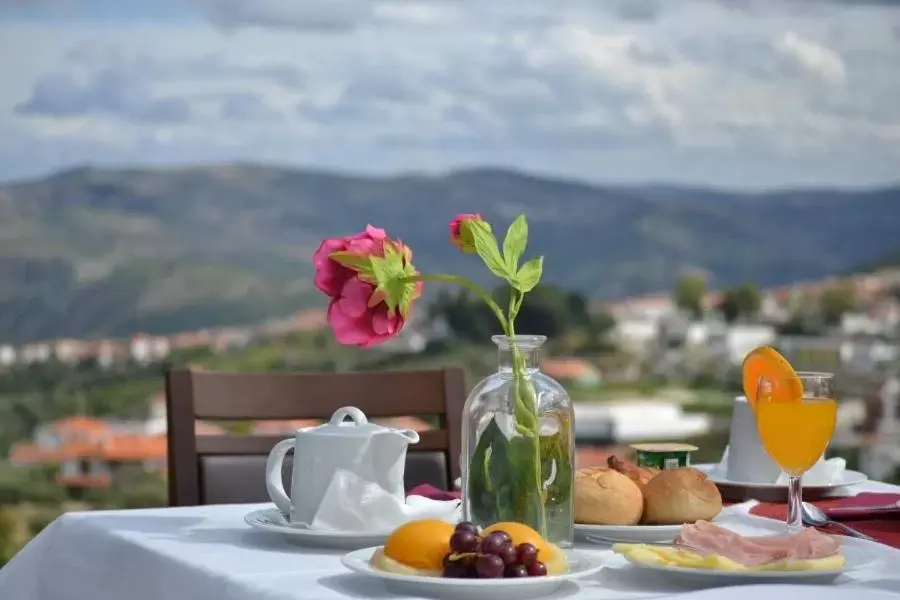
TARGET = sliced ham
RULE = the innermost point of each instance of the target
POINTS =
(705, 538)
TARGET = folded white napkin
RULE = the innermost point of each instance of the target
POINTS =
(353, 504)
(824, 472)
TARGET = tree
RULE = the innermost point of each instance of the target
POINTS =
(689, 293)
(741, 301)
(728, 306)
(748, 299)
(834, 302)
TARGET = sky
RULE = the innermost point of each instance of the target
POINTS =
(729, 93)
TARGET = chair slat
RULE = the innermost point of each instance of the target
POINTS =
(241, 396)
(213, 445)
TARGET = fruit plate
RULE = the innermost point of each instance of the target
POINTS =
(857, 555)
(580, 565)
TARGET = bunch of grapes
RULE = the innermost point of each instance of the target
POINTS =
(491, 556)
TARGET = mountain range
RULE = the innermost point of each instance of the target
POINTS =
(93, 252)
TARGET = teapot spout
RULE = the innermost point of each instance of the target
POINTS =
(411, 435)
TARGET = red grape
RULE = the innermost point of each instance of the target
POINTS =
(503, 535)
(537, 569)
(463, 541)
(495, 543)
(455, 569)
(527, 554)
(489, 566)
(467, 526)
(509, 555)
(516, 571)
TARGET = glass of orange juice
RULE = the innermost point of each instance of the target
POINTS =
(795, 416)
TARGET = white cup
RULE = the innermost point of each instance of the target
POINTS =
(747, 460)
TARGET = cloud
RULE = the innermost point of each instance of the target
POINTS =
(690, 90)
(813, 57)
(247, 106)
(312, 15)
(110, 93)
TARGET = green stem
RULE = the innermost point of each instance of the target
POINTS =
(526, 405)
(474, 288)
(526, 408)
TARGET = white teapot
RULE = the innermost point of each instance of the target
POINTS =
(374, 453)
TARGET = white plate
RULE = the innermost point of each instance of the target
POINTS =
(632, 534)
(848, 477)
(580, 565)
(807, 592)
(857, 555)
(635, 534)
(273, 520)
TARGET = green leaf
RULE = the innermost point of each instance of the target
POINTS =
(488, 250)
(481, 486)
(380, 271)
(527, 499)
(359, 263)
(515, 242)
(529, 275)
(388, 273)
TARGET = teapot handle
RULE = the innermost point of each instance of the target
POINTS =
(274, 483)
(358, 416)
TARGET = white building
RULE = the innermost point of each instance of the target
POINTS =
(7, 355)
(636, 334)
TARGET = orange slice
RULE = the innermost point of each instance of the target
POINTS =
(765, 361)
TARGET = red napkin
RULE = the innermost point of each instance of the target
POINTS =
(883, 525)
(429, 491)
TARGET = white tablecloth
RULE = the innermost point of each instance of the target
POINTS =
(208, 553)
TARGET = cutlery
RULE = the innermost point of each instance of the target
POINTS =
(813, 515)
(892, 506)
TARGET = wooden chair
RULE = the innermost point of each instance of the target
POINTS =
(218, 469)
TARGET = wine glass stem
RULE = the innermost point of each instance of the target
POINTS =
(795, 508)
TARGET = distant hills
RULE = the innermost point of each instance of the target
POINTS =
(94, 252)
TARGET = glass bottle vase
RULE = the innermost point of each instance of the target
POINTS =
(518, 445)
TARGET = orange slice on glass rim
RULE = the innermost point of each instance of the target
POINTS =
(765, 361)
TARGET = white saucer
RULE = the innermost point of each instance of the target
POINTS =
(274, 521)
(580, 565)
(857, 555)
(848, 477)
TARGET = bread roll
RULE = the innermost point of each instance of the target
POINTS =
(606, 497)
(677, 496)
(639, 475)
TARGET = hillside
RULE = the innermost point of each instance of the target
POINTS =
(90, 252)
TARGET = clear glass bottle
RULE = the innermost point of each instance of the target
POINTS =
(505, 475)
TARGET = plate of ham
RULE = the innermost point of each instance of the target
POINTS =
(711, 555)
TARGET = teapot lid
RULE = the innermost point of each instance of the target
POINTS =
(357, 426)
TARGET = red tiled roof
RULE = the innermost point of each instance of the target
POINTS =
(567, 367)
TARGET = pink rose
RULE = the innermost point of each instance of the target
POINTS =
(332, 275)
(460, 234)
(359, 317)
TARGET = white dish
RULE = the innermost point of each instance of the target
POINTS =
(848, 477)
(632, 534)
(274, 521)
(580, 565)
(637, 534)
(857, 555)
(807, 592)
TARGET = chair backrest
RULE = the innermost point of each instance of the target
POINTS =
(218, 468)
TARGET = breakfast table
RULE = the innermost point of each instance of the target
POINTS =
(208, 552)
